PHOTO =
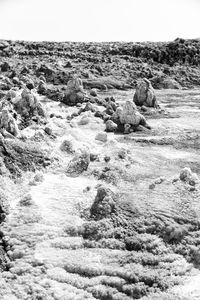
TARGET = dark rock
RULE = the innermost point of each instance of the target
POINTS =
(74, 92)
(5, 67)
(104, 204)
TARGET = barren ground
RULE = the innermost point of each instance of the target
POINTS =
(50, 257)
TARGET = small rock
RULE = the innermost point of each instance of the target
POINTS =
(30, 85)
(26, 200)
(104, 204)
(122, 154)
(152, 186)
(188, 176)
(101, 136)
(107, 158)
(48, 130)
(67, 146)
(94, 156)
(159, 180)
(78, 164)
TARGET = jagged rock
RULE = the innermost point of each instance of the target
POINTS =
(111, 126)
(144, 94)
(78, 164)
(102, 137)
(104, 204)
(74, 92)
(8, 125)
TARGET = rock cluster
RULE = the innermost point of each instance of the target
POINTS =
(126, 119)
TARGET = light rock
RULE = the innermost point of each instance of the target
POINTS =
(84, 120)
(101, 136)
(130, 115)
(111, 126)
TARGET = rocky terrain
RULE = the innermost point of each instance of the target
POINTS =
(100, 171)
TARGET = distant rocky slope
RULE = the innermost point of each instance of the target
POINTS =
(106, 65)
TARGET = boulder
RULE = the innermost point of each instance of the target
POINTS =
(8, 125)
(111, 126)
(144, 94)
(130, 115)
(28, 105)
(74, 92)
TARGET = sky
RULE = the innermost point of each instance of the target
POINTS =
(99, 20)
